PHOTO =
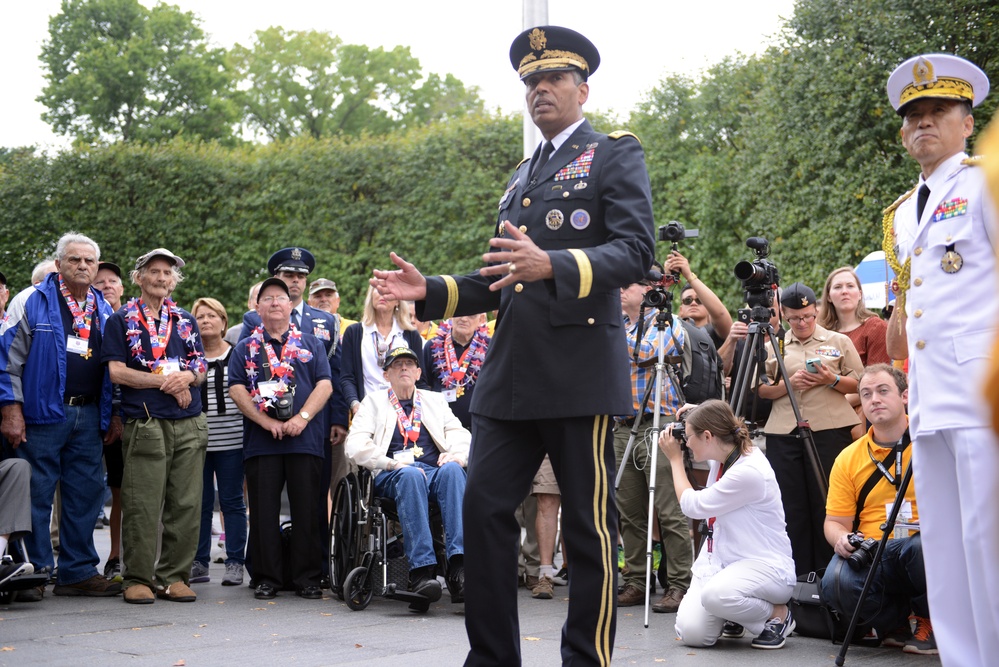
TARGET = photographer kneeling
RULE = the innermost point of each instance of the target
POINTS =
(861, 492)
(744, 575)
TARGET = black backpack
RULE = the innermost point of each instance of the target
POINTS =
(702, 367)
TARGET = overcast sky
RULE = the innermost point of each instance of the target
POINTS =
(640, 41)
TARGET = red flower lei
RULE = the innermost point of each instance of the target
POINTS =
(283, 371)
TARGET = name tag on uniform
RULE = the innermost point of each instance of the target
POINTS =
(268, 389)
(451, 395)
(404, 456)
(76, 345)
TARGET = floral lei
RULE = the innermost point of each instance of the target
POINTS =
(282, 370)
(133, 317)
(441, 345)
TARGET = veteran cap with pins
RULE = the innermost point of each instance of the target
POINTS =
(797, 295)
(296, 260)
(937, 75)
(399, 353)
(551, 48)
(320, 284)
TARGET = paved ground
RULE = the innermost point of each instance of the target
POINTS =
(228, 626)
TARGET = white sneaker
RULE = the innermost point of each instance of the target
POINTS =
(233, 575)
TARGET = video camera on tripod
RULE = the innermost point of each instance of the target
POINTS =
(760, 280)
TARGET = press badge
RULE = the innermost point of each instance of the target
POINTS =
(404, 456)
(76, 345)
(904, 517)
(451, 395)
(268, 389)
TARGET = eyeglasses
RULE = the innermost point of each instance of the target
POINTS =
(801, 320)
(688, 300)
(274, 299)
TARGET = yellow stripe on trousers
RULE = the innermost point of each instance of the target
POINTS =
(600, 500)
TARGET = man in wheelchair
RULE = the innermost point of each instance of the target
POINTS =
(417, 451)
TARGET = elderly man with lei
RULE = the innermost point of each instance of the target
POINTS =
(153, 352)
(283, 443)
(453, 357)
(417, 451)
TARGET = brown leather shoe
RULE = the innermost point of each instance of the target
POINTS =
(631, 595)
(544, 589)
(139, 594)
(669, 602)
(94, 587)
(178, 591)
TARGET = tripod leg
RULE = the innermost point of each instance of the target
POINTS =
(889, 527)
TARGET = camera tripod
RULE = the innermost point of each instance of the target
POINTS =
(665, 372)
(751, 365)
(902, 485)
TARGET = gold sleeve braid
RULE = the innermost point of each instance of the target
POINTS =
(888, 245)
(452, 296)
(585, 272)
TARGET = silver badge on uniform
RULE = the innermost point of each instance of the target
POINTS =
(554, 219)
(579, 219)
(581, 185)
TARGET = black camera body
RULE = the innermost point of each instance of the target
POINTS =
(674, 232)
(760, 279)
(283, 408)
(863, 555)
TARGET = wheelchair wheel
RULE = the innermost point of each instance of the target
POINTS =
(357, 589)
(343, 533)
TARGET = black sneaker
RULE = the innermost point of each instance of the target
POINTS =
(775, 632)
(9, 569)
(733, 630)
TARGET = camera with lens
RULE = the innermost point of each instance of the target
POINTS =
(863, 554)
(674, 232)
(678, 430)
(282, 407)
(760, 279)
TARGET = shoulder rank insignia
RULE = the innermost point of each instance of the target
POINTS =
(522, 162)
(973, 161)
(617, 134)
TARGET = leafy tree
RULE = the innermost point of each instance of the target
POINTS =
(118, 71)
(309, 83)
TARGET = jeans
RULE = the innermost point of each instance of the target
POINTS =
(69, 452)
(412, 487)
(899, 586)
(227, 468)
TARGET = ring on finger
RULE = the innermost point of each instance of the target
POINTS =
(511, 267)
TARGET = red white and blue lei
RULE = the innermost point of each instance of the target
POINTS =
(137, 319)
(281, 369)
(455, 373)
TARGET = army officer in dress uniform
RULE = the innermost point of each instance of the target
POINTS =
(941, 240)
(575, 225)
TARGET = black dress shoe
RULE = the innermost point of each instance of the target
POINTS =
(310, 593)
(456, 584)
(264, 592)
(422, 581)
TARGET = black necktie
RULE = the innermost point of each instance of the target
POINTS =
(546, 152)
(921, 197)
(295, 319)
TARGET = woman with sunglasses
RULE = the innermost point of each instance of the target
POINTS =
(822, 367)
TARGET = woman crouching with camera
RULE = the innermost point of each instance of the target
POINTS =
(744, 575)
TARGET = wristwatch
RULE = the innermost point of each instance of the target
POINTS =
(304, 415)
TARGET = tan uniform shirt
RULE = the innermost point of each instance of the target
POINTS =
(823, 407)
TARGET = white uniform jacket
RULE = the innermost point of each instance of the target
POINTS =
(951, 315)
(371, 431)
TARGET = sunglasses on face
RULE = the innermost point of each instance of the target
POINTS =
(688, 300)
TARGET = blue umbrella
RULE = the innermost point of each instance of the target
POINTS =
(875, 277)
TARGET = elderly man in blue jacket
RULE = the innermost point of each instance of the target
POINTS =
(56, 402)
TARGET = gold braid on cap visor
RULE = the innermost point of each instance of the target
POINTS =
(551, 60)
(946, 88)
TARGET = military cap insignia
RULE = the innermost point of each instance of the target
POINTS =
(537, 39)
(296, 253)
(554, 219)
(922, 72)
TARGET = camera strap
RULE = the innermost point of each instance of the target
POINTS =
(880, 470)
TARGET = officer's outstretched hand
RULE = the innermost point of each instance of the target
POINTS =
(406, 283)
(519, 259)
